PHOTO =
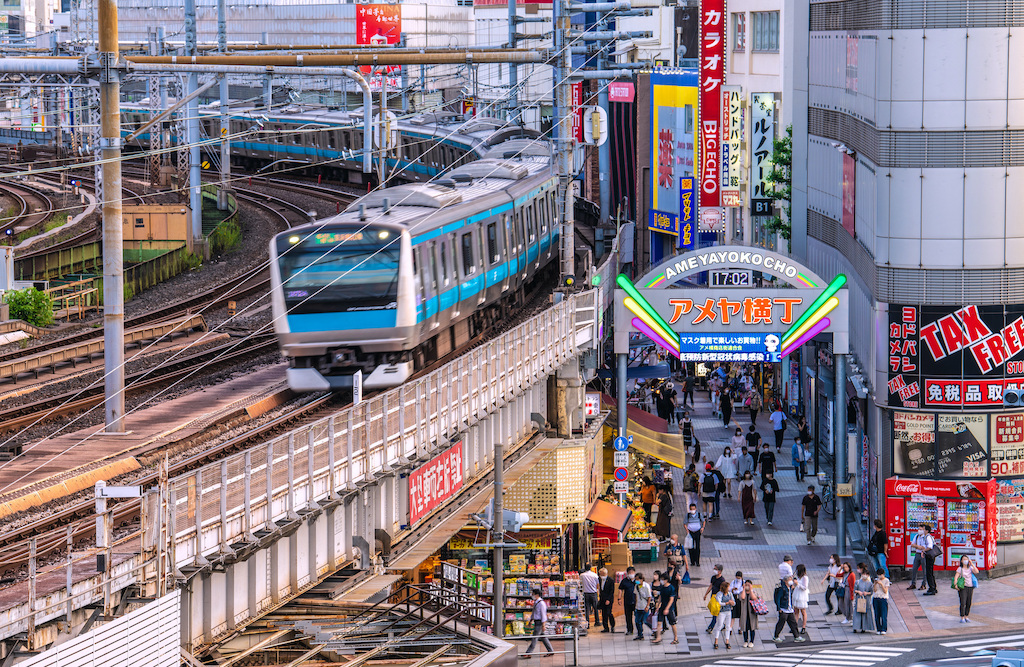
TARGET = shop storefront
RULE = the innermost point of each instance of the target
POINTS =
(948, 367)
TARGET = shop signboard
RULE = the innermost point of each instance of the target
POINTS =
(762, 145)
(1010, 506)
(732, 153)
(730, 347)
(712, 77)
(940, 445)
(434, 482)
(380, 25)
(674, 99)
(955, 356)
(592, 404)
(621, 91)
(1007, 445)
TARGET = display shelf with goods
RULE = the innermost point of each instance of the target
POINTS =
(562, 597)
(642, 542)
(539, 553)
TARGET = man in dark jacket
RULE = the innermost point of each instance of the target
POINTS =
(766, 462)
(606, 600)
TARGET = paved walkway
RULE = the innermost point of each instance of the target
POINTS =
(757, 551)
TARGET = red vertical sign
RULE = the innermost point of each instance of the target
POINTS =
(712, 76)
(434, 482)
(379, 25)
(577, 111)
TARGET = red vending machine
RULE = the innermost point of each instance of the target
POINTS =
(962, 515)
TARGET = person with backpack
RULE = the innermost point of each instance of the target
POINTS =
(708, 487)
(694, 528)
(691, 484)
(754, 403)
(876, 547)
(784, 602)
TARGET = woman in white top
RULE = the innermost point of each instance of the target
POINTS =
(800, 597)
(965, 582)
(880, 602)
(726, 464)
(831, 581)
(726, 601)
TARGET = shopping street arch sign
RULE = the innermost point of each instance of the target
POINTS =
(732, 320)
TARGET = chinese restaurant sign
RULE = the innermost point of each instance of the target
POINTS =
(434, 482)
(949, 356)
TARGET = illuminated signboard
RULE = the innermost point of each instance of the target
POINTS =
(673, 119)
(330, 238)
(730, 347)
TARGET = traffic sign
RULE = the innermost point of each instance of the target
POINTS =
(621, 459)
(620, 487)
(622, 443)
(621, 474)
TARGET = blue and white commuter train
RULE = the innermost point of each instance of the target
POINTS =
(409, 273)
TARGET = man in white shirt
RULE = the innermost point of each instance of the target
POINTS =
(927, 542)
(778, 420)
(915, 546)
(540, 619)
(786, 567)
(590, 582)
(643, 601)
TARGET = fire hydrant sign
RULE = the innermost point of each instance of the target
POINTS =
(435, 482)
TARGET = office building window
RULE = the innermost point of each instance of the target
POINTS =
(739, 32)
(766, 32)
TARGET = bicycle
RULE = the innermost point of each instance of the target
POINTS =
(828, 496)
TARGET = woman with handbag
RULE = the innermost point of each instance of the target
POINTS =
(965, 581)
(862, 591)
(830, 580)
(751, 606)
(726, 601)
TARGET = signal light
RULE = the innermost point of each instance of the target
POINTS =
(568, 281)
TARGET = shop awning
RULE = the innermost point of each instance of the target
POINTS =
(610, 515)
(650, 434)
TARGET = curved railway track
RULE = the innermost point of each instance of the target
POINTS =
(33, 208)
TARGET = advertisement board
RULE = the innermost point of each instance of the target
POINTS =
(762, 145)
(1010, 506)
(961, 445)
(712, 77)
(913, 438)
(673, 119)
(1007, 445)
(380, 25)
(434, 482)
(732, 153)
(955, 356)
(849, 220)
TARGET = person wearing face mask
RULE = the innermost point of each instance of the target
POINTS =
(748, 497)
(695, 528)
(726, 464)
(930, 550)
(738, 440)
(725, 403)
(766, 462)
(809, 508)
(769, 489)
(877, 545)
(964, 582)
(915, 546)
(627, 597)
(831, 580)
(745, 462)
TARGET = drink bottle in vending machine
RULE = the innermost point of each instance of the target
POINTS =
(961, 515)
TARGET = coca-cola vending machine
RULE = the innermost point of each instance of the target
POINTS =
(962, 516)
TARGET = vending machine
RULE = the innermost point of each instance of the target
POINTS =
(962, 515)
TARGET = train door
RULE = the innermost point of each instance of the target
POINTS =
(453, 270)
(521, 245)
(427, 288)
(499, 256)
(437, 257)
(514, 265)
(482, 260)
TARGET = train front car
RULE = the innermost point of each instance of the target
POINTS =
(343, 299)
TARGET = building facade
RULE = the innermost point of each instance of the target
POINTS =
(910, 117)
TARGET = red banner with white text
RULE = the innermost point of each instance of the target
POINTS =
(435, 482)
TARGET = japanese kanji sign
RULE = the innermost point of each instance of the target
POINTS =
(732, 154)
(954, 356)
(435, 482)
(762, 145)
(673, 116)
(380, 25)
(730, 347)
(712, 76)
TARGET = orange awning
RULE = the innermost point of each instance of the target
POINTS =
(608, 514)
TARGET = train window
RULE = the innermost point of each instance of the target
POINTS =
(329, 136)
(492, 242)
(468, 266)
(433, 271)
(520, 232)
(445, 280)
(454, 262)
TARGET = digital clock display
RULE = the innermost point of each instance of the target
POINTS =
(731, 279)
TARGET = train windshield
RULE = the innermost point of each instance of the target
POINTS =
(339, 270)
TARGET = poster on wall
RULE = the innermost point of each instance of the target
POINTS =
(762, 145)
(1010, 504)
(849, 220)
(712, 77)
(961, 446)
(380, 25)
(913, 440)
(954, 356)
(434, 482)
(673, 118)
(1007, 445)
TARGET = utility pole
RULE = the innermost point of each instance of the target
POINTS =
(225, 145)
(113, 245)
(842, 455)
(498, 530)
(564, 140)
(195, 177)
(604, 159)
(513, 71)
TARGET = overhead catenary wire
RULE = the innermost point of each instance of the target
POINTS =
(262, 267)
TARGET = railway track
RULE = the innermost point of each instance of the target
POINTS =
(33, 208)
(51, 531)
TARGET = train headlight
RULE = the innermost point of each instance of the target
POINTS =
(293, 239)
(383, 234)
